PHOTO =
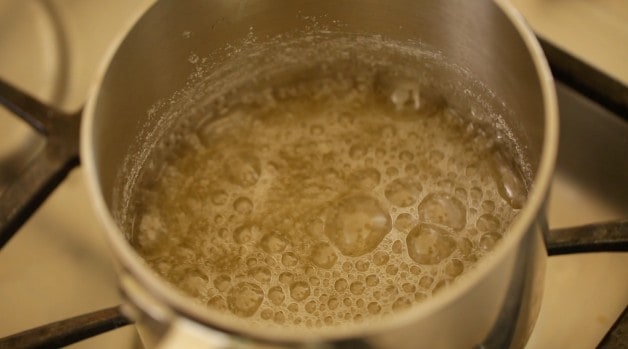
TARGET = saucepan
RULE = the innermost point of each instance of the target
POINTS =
(150, 78)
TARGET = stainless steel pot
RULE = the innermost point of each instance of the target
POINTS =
(494, 306)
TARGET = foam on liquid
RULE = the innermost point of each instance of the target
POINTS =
(326, 202)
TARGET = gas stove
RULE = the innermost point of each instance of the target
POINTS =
(59, 265)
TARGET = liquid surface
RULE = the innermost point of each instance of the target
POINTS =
(326, 202)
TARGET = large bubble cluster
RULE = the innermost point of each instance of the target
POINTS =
(328, 204)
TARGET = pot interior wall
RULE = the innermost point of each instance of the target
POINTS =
(154, 61)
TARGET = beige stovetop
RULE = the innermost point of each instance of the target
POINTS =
(58, 265)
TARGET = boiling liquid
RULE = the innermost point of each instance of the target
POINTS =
(326, 203)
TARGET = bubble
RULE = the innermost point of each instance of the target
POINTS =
(289, 259)
(511, 186)
(243, 205)
(357, 224)
(372, 280)
(471, 257)
(299, 290)
(415, 270)
(244, 299)
(219, 197)
(454, 268)
(246, 233)
(293, 307)
(442, 208)
(380, 258)
(465, 246)
(374, 308)
(392, 269)
(270, 261)
(310, 271)
(412, 169)
(488, 223)
(347, 267)
(261, 274)
(476, 193)
(243, 169)
(404, 222)
(378, 294)
(357, 288)
(488, 241)
(436, 156)
(276, 295)
(441, 285)
(314, 281)
(426, 282)
(471, 170)
(266, 314)
(402, 303)
(279, 317)
(408, 288)
(446, 184)
(315, 227)
(406, 156)
(219, 219)
(341, 285)
(286, 277)
(273, 242)
(223, 233)
(362, 265)
(392, 171)
(403, 192)
(429, 244)
(488, 206)
(367, 178)
(310, 307)
(222, 282)
(218, 303)
(419, 296)
(323, 255)
(358, 152)
(333, 303)
(251, 262)
(397, 246)
(388, 131)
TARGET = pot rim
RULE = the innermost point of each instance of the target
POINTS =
(183, 306)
